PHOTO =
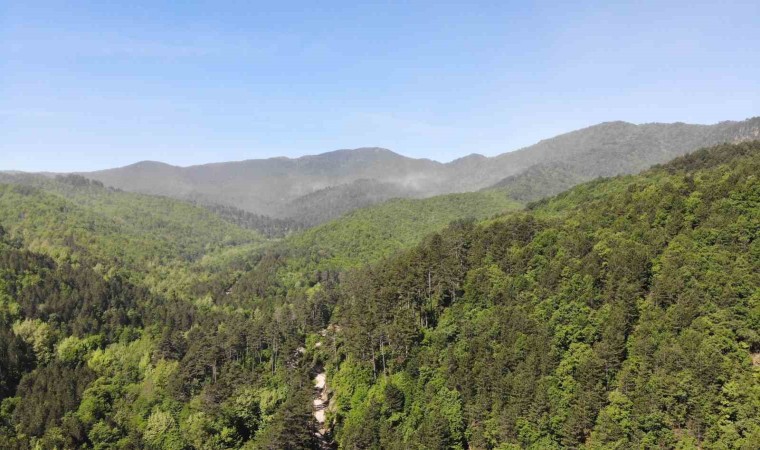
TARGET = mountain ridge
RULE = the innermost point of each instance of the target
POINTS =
(268, 186)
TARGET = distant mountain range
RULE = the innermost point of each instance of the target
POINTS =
(314, 189)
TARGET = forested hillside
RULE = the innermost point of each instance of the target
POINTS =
(334, 201)
(113, 320)
(621, 314)
(169, 244)
(71, 215)
(268, 226)
(371, 233)
(610, 149)
(276, 186)
(624, 313)
(132, 321)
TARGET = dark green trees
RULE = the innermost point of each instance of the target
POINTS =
(624, 313)
(620, 314)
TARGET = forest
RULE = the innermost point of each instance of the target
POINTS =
(622, 313)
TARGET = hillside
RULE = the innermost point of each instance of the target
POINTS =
(620, 314)
(268, 226)
(334, 201)
(314, 189)
(623, 313)
(369, 234)
(612, 149)
(267, 186)
(304, 262)
(72, 218)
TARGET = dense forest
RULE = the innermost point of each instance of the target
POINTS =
(624, 313)
(334, 201)
(268, 226)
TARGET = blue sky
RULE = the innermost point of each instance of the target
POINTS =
(89, 85)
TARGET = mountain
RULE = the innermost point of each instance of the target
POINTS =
(71, 218)
(268, 186)
(611, 149)
(369, 234)
(314, 189)
(334, 201)
(622, 313)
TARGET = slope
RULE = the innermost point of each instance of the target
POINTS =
(369, 234)
(612, 149)
(288, 188)
(334, 201)
(623, 313)
(69, 217)
(265, 186)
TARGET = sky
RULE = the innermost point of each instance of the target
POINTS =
(93, 85)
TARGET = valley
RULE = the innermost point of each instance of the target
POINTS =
(379, 225)
(622, 312)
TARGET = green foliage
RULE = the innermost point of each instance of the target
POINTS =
(39, 335)
(72, 350)
(267, 226)
(162, 432)
(621, 314)
(368, 234)
(68, 219)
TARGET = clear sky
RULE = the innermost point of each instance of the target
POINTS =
(89, 85)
